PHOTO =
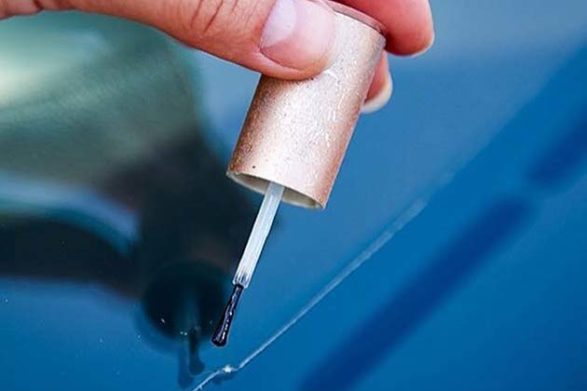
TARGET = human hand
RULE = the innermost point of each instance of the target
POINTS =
(289, 39)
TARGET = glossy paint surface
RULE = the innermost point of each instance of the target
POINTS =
(451, 255)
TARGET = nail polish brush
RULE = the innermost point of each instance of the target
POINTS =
(296, 134)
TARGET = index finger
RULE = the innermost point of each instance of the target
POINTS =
(408, 23)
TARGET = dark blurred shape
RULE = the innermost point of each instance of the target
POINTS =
(121, 131)
(563, 159)
(36, 247)
(182, 302)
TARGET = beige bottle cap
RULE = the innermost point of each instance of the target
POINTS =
(297, 132)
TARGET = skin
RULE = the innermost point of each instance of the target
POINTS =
(233, 30)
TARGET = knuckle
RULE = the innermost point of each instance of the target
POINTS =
(4, 10)
(23, 7)
(54, 4)
(205, 20)
(207, 16)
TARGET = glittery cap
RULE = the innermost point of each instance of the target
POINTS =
(297, 132)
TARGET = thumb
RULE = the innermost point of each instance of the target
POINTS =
(288, 39)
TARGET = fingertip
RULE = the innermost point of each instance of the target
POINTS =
(414, 44)
(408, 23)
(381, 88)
(426, 45)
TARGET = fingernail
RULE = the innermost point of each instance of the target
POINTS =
(298, 33)
(378, 101)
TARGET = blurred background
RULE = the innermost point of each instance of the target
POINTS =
(451, 256)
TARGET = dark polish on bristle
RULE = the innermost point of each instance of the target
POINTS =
(220, 336)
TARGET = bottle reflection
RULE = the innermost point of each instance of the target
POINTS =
(182, 303)
(107, 178)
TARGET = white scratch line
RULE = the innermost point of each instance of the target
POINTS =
(412, 212)
(331, 73)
